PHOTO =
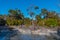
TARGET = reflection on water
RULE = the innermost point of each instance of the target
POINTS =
(16, 35)
(35, 37)
(32, 37)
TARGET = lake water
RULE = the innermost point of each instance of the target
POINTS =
(20, 36)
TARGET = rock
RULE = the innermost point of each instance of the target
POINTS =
(58, 31)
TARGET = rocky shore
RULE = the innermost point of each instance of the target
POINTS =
(27, 34)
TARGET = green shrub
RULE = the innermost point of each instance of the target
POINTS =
(40, 23)
(11, 22)
(51, 22)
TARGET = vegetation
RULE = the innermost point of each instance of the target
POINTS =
(44, 18)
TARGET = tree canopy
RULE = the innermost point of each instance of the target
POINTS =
(16, 17)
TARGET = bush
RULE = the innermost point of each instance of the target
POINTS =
(20, 22)
(40, 23)
(27, 22)
(2, 22)
(58, 22)
(51, 22)
(11, 22)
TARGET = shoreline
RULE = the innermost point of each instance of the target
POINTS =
(22, 32)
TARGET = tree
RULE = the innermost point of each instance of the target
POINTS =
(36, 7)
(31, 12)
(38, 18)
(16, 14)
(2, 22)
(15, 17)
(53, 15)
(44, 12)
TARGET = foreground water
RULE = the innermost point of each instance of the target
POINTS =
(26, 37)
(17, 35)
